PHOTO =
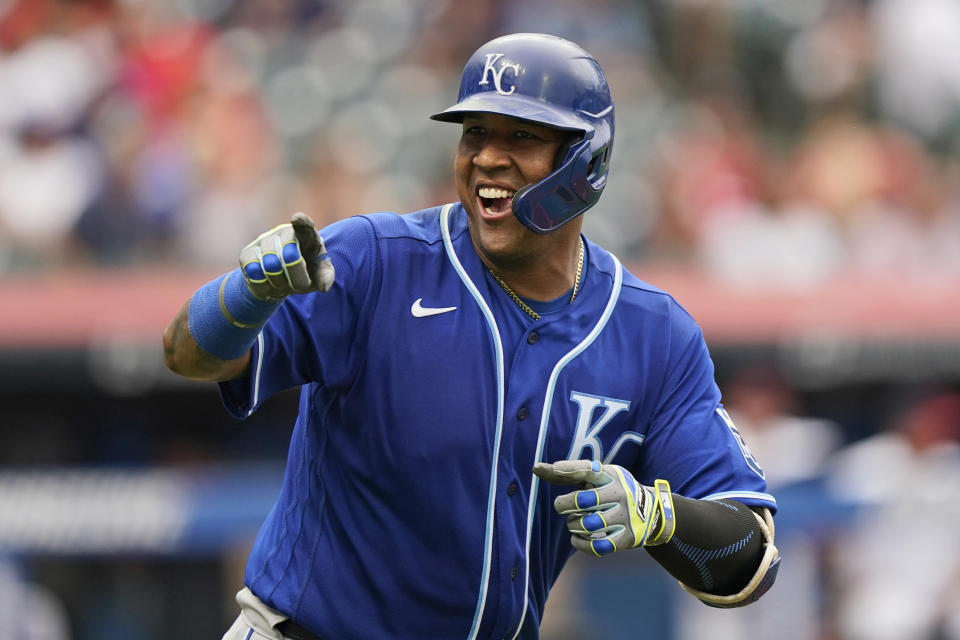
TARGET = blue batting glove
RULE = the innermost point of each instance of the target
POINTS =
(612, 511)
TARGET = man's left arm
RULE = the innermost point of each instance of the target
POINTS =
(721, 551)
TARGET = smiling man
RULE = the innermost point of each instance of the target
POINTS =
(483, 390)
(497, 157)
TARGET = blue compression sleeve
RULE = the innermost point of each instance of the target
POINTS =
(225, 318)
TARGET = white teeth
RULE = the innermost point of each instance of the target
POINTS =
(493, 192)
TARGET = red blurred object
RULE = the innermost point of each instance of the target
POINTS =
(23, 20)
(933, 421)
(162, 68)
(71, 309)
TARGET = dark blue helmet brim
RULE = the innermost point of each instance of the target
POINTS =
(515, 106)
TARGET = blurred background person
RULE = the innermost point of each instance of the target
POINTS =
(906, 478)
(794, 450)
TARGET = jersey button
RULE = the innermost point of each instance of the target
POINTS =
(512, 489)
(514, 573)
(533, 338)
(523, 413)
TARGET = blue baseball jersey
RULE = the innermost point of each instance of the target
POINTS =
(408, 507)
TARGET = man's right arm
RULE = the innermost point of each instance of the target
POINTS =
(185, 357)
(211, 336)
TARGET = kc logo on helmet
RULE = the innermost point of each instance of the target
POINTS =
(490, 70)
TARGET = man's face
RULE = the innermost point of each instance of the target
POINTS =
(496, 157)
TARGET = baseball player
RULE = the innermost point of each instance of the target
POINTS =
(483, 390)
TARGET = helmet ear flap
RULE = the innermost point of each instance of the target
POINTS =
(563, 195)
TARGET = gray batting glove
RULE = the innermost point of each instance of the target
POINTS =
(290, 258)
(612, 511)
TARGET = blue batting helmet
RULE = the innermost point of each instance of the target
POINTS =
(554, 82)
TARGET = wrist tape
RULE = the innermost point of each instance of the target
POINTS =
(225, 318)
(663, 523)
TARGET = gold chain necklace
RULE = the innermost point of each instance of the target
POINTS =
(523, 305)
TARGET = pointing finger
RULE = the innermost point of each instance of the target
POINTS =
(572, 472)
(306, 235)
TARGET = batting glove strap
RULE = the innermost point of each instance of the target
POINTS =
(663, 523)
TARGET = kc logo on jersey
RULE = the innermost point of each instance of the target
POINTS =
(588, 428)
(492, 71)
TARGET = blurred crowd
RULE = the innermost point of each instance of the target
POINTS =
(815, 137)
(868, 530)
(767, 141)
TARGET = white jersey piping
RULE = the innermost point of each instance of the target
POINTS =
(498, 346)
(545, 419)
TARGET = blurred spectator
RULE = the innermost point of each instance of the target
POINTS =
(912, 227)
(712, 168)
(763, 245)
(918, 78)
(47, 180)
(29, 611)
(828, 61)
(838, 165)
(50, 171)
(780, 233)
(793, 449)
(238, 161)
(896, 571)
(50, 72)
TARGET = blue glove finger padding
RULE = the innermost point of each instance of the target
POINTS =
(271, 264)
(589, 523)
(291, 254)
(288, 259)
(253, 272)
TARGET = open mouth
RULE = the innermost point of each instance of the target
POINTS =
(496, 201)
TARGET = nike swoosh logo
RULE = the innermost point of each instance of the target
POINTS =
(423, 312)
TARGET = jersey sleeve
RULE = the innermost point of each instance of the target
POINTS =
(691, 441)
(311, 337)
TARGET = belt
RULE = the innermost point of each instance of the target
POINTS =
(293, 631)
